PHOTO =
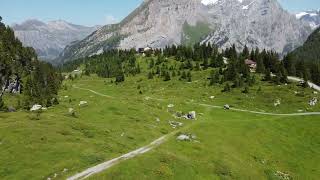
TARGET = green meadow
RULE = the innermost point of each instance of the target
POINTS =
(119, 118)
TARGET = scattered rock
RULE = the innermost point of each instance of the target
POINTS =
(212, 97)
(158, 119)
(147, 98)
(300, 110)
(186, 137)
(277, 103)
(65, 170)
(170, 106)
(55, 175)
(44, 108)
(122, 134)
(71, 110)
(183, 137)
(315, 92)
(66, 96)
(83, 103)
(36, 107)
(175, 124)
(178, 114)
(282, 175)
(313, 101)
(226, 107)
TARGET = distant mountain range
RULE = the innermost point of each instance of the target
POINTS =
(311, 17)
(49, 39)
(155, 23)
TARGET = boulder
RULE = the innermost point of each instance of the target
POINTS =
(36, 107)
(277, 103)
(192, 115)
(170, 106)
(83, 103)
(226, 107)
(183, 137)
(11, 109)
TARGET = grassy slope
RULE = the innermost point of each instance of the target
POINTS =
(232, 144)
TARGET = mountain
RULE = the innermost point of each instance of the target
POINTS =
(311, 17)
(310, 51)
(157, 23)
(49, 39)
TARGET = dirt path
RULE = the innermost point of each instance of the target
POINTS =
(262, 113)
(106, 165)
(312, 85)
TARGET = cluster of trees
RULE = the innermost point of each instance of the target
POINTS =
(111, 64)
(162, 68)
(228, 65)
(39, 81)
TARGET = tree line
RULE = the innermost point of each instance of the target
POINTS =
(111, 64)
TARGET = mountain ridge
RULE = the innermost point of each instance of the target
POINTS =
(49, 39)
(161, 23)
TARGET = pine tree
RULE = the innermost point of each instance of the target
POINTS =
(183, 75)
(2, 106)
(167, 76)
(189, 77)
(267, 75)
(246, 90)
(227, 88)
(150, 75)
(151, 64)
(260, 66)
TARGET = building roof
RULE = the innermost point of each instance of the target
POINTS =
(249, 62)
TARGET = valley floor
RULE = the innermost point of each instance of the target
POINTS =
(122, 118)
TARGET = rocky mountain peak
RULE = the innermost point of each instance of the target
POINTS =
(49, 39)
(158, 23)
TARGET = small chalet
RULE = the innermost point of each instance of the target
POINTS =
(144, 50)
(251, 64)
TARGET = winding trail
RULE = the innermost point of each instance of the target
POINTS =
(312, 85)
(108, 164)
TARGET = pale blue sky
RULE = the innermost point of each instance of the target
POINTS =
(94, 12)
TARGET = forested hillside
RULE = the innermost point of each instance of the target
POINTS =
(23, 75)
(310, 51)
(304, 62)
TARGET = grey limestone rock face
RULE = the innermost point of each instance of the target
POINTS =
(158, 23)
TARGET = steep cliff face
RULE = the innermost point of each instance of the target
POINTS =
(256, 23)
(49, 39)
(157, 23)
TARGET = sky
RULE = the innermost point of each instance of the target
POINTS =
(95, 12)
